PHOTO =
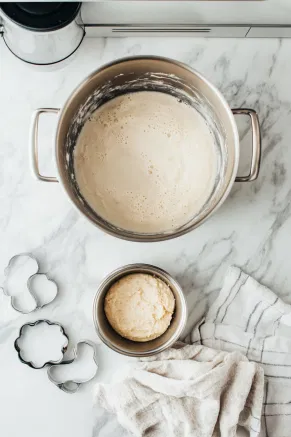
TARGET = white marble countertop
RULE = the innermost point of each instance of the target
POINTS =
(252, 228)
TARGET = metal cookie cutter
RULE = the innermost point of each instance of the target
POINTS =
(13, 299)
(30, 363)
(73, 386)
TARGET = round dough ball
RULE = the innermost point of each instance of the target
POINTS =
(139, 307)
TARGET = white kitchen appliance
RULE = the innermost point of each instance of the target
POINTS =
(47, 33)
(204, 18)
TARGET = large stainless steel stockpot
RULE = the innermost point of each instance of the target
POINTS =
(158, 74)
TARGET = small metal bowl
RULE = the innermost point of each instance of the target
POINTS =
(132, 348)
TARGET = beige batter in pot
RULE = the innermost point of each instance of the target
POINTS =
(146, 162)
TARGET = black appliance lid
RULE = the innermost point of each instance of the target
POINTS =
(41, 17)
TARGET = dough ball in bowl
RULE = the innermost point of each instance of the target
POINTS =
(139, 307)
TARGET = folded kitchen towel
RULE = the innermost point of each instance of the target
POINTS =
(191, 391)
(249, 318)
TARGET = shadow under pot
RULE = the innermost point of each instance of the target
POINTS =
(164, 75)
(42, 33)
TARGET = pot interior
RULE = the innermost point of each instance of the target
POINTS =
(148, 74)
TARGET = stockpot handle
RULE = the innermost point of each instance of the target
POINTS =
(34, 143)
(256, 145)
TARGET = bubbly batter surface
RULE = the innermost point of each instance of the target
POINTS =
(139, 307)
(145, 162)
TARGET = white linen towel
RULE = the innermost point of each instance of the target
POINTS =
(249, 318)
(193, 391)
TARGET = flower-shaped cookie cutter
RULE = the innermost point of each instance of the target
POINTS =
(72, 386)
(38, 322)
(13, 299)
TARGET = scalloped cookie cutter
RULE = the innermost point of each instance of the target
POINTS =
(38, 322)
(68, 386)
(72, 386)
(13, 299)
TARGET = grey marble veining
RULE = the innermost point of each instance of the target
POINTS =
(251, 229)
